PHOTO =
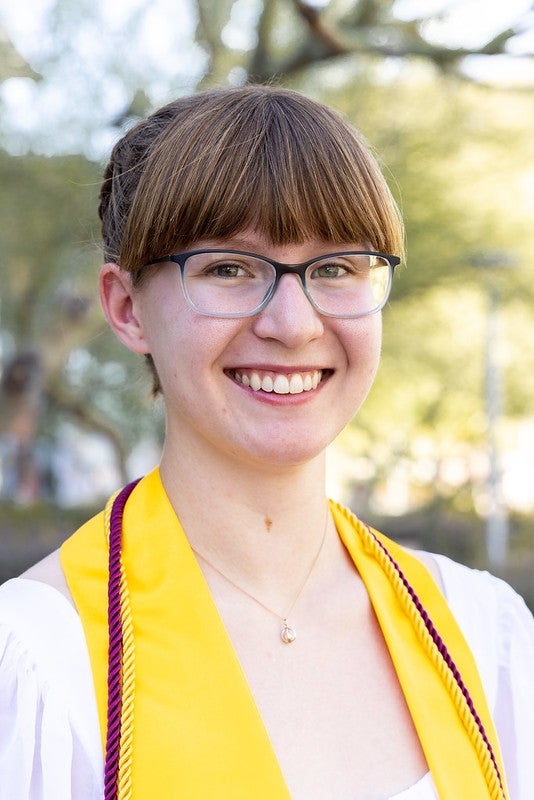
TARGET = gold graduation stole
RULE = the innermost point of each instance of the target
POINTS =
(176, 713)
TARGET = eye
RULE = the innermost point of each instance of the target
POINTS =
(335, 269)
(329, 270)
(229, 270)
(349, 267)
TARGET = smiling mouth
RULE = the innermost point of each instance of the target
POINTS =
(280, 382)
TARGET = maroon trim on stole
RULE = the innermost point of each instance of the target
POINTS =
(440, 644)
(115, 641)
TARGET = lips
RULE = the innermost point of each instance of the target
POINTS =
(279, 382)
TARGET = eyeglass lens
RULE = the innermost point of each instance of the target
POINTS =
(351, 284)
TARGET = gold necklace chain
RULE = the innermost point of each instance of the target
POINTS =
(287, 633)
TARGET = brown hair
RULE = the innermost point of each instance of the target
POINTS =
(217, 162)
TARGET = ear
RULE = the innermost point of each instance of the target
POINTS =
(120, 303)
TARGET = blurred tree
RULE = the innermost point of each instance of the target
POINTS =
(58, 360)
(47, 308)
(464, 176)
(455, 153)
(290, 36)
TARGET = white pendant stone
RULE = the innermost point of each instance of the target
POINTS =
(287, 634)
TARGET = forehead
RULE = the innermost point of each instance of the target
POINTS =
(251, 240)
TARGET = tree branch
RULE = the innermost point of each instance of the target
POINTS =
(368, 30)
(79, 410)
(318, 30)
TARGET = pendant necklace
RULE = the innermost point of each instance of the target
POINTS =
(121, 683)
(287, 632)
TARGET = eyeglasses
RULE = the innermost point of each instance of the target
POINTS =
(231, 283)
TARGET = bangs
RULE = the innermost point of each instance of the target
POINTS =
(262, 159)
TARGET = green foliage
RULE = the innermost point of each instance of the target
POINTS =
(59, 360)
(458, 157)
(459, 160)
(48, 238)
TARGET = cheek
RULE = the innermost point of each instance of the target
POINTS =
(363, 342)
(184, 345)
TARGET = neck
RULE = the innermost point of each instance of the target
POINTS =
(259, 523)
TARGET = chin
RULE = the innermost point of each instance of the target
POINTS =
(283, 453)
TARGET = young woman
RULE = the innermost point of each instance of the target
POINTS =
(221, 630)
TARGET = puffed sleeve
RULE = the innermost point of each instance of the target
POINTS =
(514, 708)
(49, 739)
(500, 631)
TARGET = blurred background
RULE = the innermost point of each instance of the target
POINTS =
(442, 454)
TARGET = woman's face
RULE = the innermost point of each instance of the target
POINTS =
(225, 381)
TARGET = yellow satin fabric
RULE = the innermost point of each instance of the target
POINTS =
(449, 752)
(198, 733)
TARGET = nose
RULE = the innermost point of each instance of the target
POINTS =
(289, 317)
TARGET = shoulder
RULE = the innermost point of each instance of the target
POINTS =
(46, 690)
(500, 631)
(49, 572)
(41, 628)
(479, 594)
(483, 604)
(493, 618)
(430, 562)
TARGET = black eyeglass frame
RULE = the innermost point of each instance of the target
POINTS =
(280, 269)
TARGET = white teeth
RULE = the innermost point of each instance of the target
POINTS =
(281, 385)
(255, 382)
(296, 383)
(267, 384)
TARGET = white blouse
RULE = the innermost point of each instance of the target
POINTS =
(50, 744)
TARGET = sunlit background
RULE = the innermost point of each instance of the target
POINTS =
(443, 451)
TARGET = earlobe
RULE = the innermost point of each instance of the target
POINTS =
(120, 306)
